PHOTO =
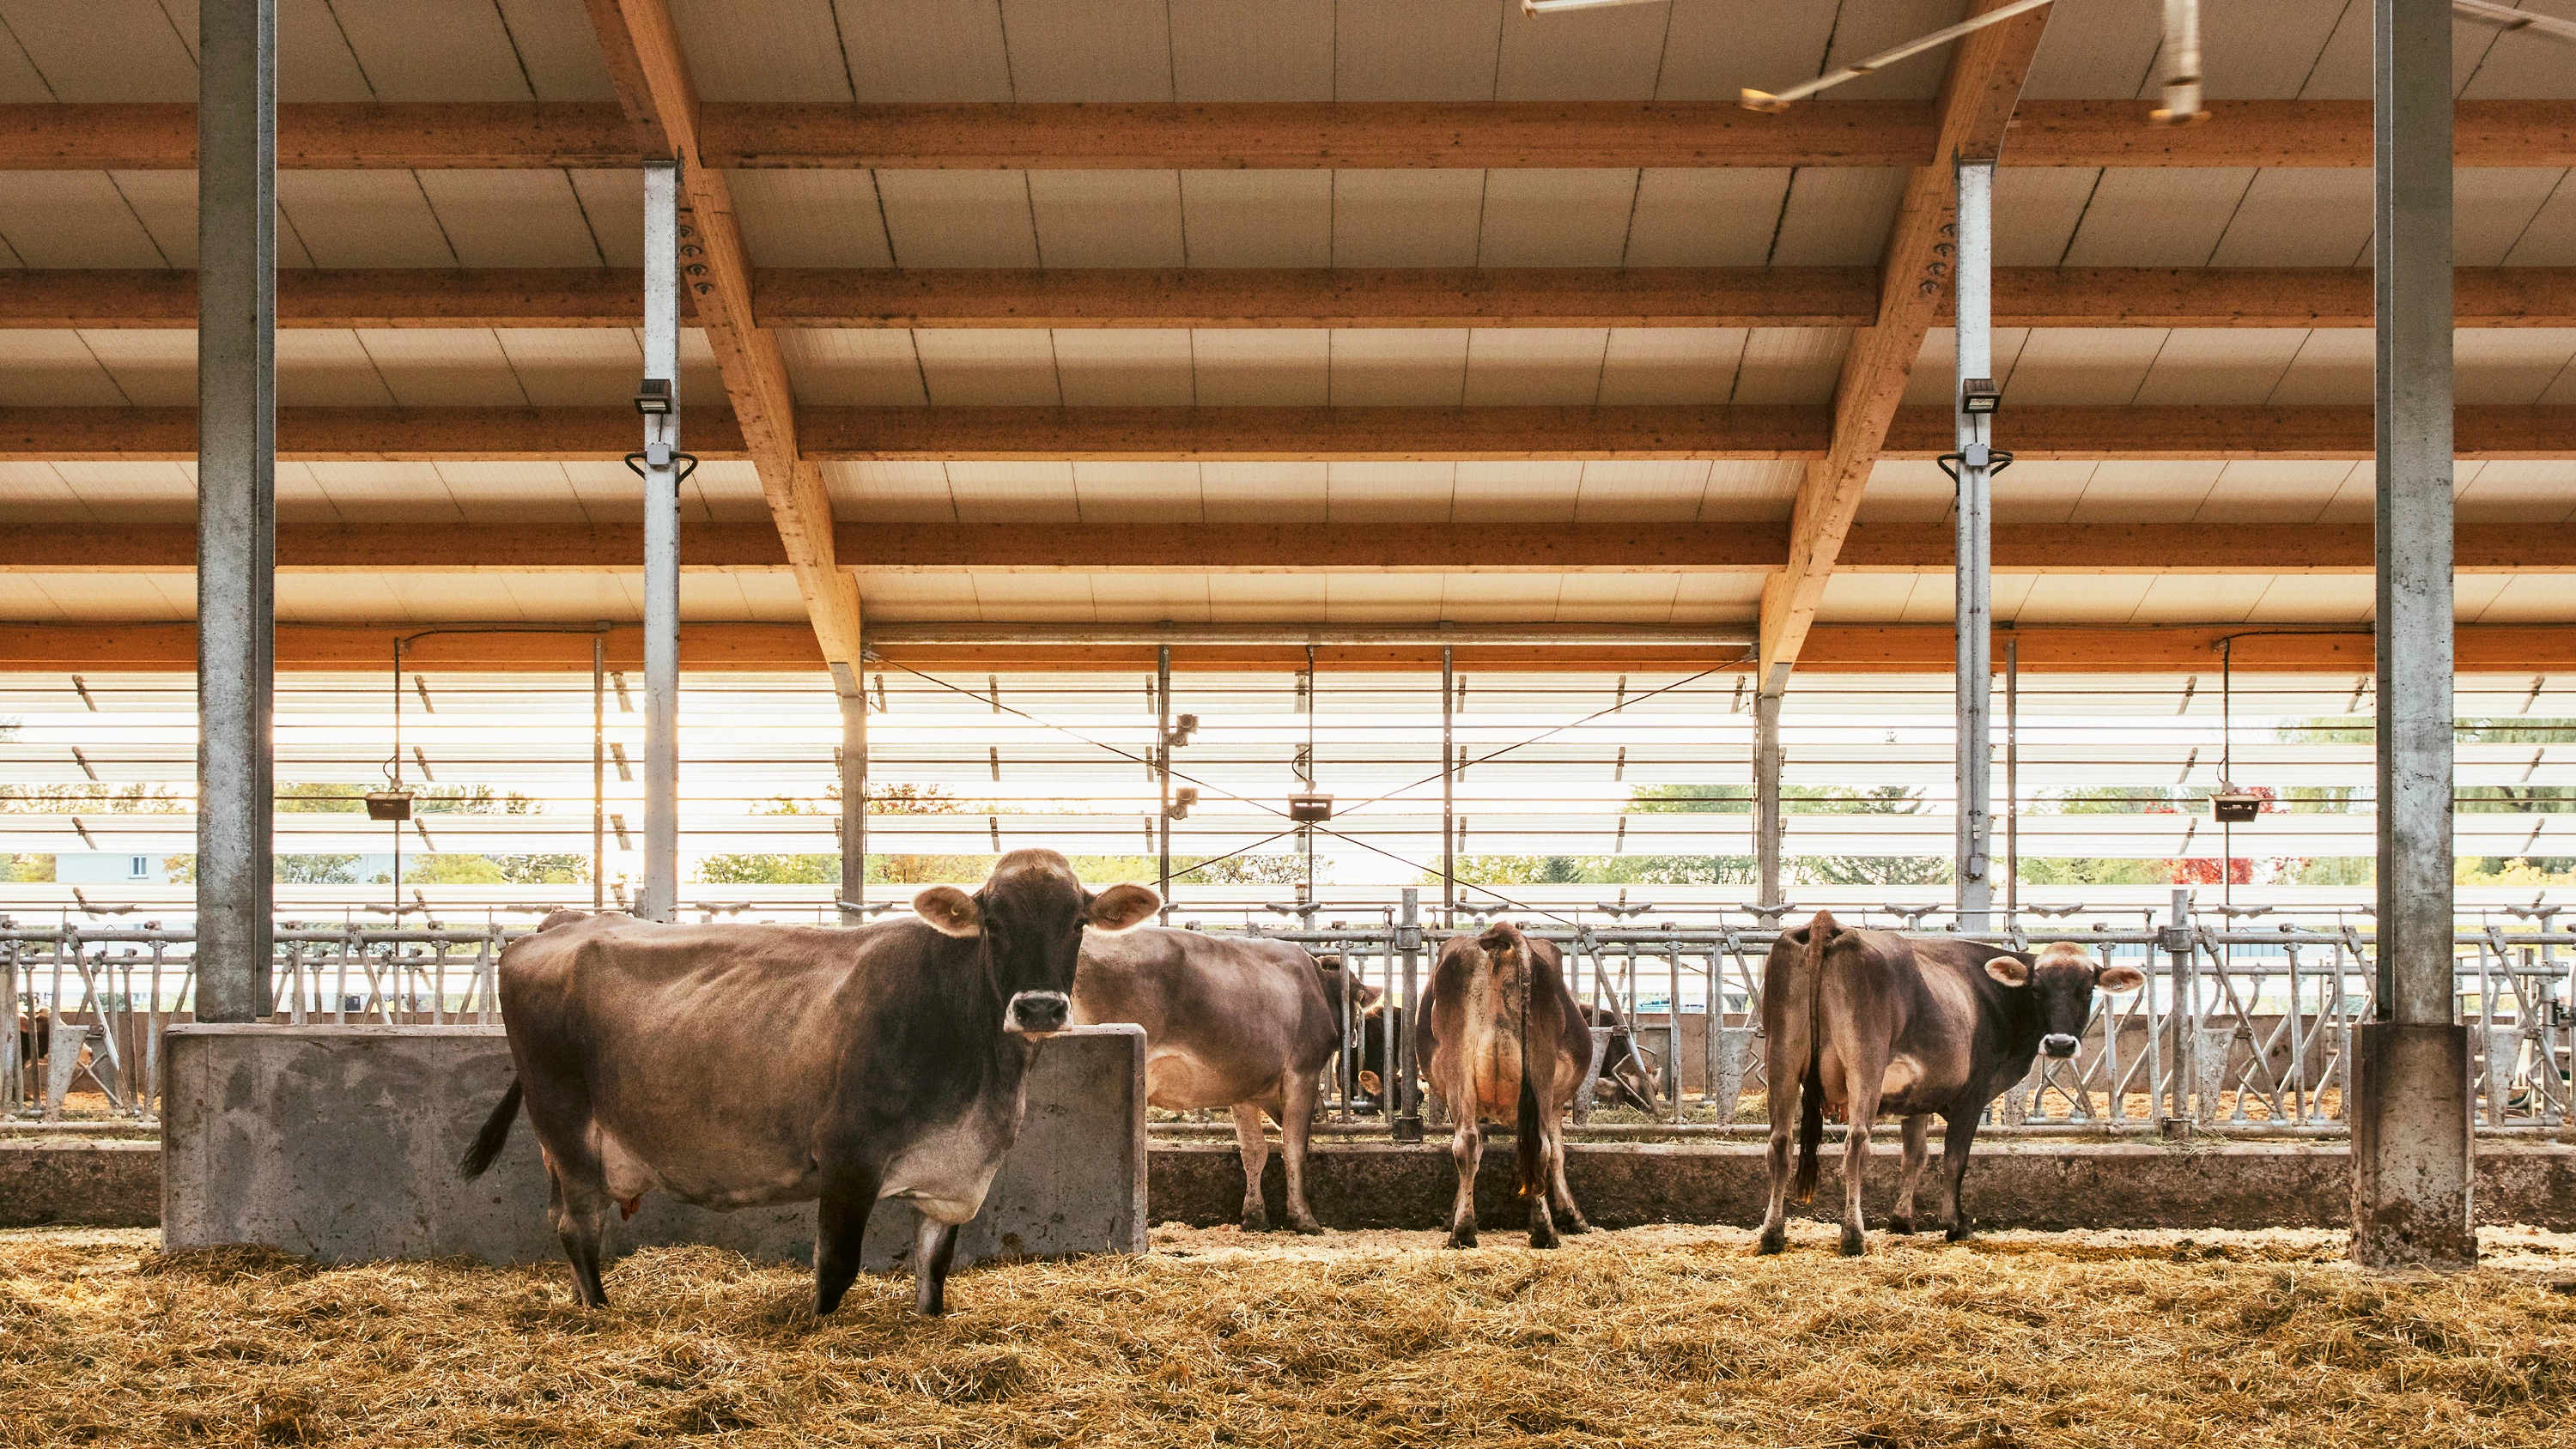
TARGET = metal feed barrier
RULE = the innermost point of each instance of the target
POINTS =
(2240, 1029)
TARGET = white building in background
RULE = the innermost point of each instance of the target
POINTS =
(110, 867)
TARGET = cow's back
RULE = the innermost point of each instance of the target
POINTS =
(1222, 1014)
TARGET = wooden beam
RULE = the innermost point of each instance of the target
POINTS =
(1746, 432)
(716, 276)
(1301, 136)
(1978, 94)
(558, 546)
(1832, 648)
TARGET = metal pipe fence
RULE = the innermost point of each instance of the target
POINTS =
(2239, 1029)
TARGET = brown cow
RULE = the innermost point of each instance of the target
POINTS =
(733, 1066)
(1859, 1023)
(1240, 1022)
(1503, 1040)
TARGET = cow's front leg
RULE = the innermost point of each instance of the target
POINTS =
(1955, 1143)
(1296, 1124)
(934, 1245)
(1467, 1148)
(1254, 1145)
(581, 1203)
(1918, 1127)
(840, 1225)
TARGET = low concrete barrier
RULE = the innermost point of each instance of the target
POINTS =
(341, 1142)
(92, 1184)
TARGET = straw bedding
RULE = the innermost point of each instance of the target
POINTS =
(1649, 1336)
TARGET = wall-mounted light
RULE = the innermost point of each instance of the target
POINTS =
(1309, 808)
(388, 804)
(1979, 395)
(2234, 807)
(653, 397)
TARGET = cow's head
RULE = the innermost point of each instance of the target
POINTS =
(2064, 979)
(1031, 914)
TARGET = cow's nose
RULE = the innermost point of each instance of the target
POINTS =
(2058, 1044)
(1035, 1013)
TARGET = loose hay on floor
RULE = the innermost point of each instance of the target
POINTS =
(1651, 1336)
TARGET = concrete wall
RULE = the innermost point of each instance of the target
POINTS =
(341, 1143)
(93, 1184)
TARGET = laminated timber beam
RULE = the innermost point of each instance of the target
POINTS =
(1364, 135)
(790, 648)
(1622, 548)
(2202, 297)
(1260, 434)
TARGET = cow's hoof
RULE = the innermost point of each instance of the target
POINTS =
(1256, 1222)
(1902, 1227)
(1309, 1228)
(1958, 1233)
(1853, 1245)
(1772, 1241)
(1463, 1239)
(1574, 1227)
(1543, 1240)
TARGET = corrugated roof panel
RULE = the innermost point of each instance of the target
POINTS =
(385, 492)
(1714, 48)
(1123, 367)
(1257, 218)
(1556, 218)
(811, 218)
(2511, 365)
(2068, 365)
(1542, 492)
(890, 596)
(1612, 55)
(613, 202)
(1390, 492)
(995, 367)
(900, 50)
(1716, 217)
(2492, 207)
(1535, 366)
(1791, 364)
(2533, 599)
(363, 219)
(1417, 50)
(1034, 597)
(1262, 367)
(1137, 492)
(2334, 365)
(561, 367)
(512, 218)
(319, 367)
(1013, 492)
(57, 369)
(105, 50)
(1253, 50)
(2316, 599)
(890, 492)
(2218, 365)
(1151, 598)
(1936, 367)
(36, 493)
(1836, 216)
(151, 368)
(2160, 217)
(959, 218)
(2158, 492)
(2520, 492)
(135, 491)
(1407, 218)
(1750, 490)
(72, 219)
(2266, 491)
(1621, 491)
(1107, 218)
(1263, 492)
(853, 367)
(2040, 492)
(444, 367)
(512, 493)
(1673, 365)
(466, 54)
(1089, 50)
(763, 50)
(1908, 491)
(165, 202)
(1390, 368)
(2299, 217)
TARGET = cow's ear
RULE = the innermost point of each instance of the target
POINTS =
(950, 911)
(2120, 978)
(2009, 970)
(1122, 906)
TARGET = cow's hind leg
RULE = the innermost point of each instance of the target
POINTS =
(1467, 1149)
(933, 1248)
(581, 1204)
(1917, 1126)
(1296, 1124)
(1961, 1136)
(840, 1226)
(1574, 1221)
(1254, 1145)
(1785, 1065)
(1865, 1078)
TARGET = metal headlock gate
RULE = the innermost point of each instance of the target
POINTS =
(2239, 1029)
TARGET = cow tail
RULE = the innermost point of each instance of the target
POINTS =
(1525, 1139)
(495, 1134)
(1811, 1083)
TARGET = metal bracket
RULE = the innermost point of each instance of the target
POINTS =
(1994, 461)
(637, 462)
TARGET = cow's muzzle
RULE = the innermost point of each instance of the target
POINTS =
(2058, 1044)
(1036, 1013)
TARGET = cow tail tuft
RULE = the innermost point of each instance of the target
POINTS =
(1811, 1082)
(494, 1136)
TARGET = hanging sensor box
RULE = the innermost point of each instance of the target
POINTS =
(1310, 809)
(2234, 807)
(388, 804)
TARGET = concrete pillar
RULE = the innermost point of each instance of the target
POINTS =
(660, 897)
(1973, 619)
(236, 503)
(1766, 795)
(2411, 1149)
(853, 692)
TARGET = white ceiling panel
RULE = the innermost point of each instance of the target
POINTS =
(1089, 50)
(1611, 55)
(1406, 218)
(1936, 367)
(1616, 598)
(2082, 599)
(57, 369)
(1295, 598)
(1124, 367)
(1671, 365)
(763, 50)
(1384, 598)
(1151, 598)
(114, 597)
(853, 367)
(512, 492)
(2523, 66)
(1539, 492)
(104, 50)
(1750, 490)
(2037, 211)
(959, 218)
(2511, 365)
(1263, 367)
(2146, 492)
(609, 493)
(319, 367)
(1425, 367)
(1623, 491)
(1716, 598)
(1138, 493)
(890, 492)
(892, 596)
(1836, 216)
(1556, 218)
(1252, 50)
(1851, 598)
(1034, 597)
(314, 62)
(2157, 217)
(811, 218)
(989, 367)
(2065, 365)
(1865, 30)
(2333, 366)
(20, 83)
(1257, 218)
(558, 49)
(1535, 366)
(514, 218)
(1715, 48)
(2316, 599)
(2533, 599)
(2520, 492)
(384, 492)
(1790, 364)
(2266, 491)
(363, 219)
(1263, 492)
(73, 219)
(1909, 491)
(138, 491)
(1390, 492)
(1417, 50)
(2258, 50)
(2201, 599)
(1107, 218)
(152, 368)
(576, 367)
(2218, 365)
(472, 57)
(443, 367)
(36, 493)
(902, 50)
(613, 203)
(1712, 217)
(2492, 209)
(726, 492)
(2040, 492)
(1498, 598)
(2299, 217)
(165, 202)
(1013, 492)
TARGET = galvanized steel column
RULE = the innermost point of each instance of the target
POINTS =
(236, 503)
(1766, 796)
(1973, 620)
(2412, 1163)
(853, 692)
(660, 897)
